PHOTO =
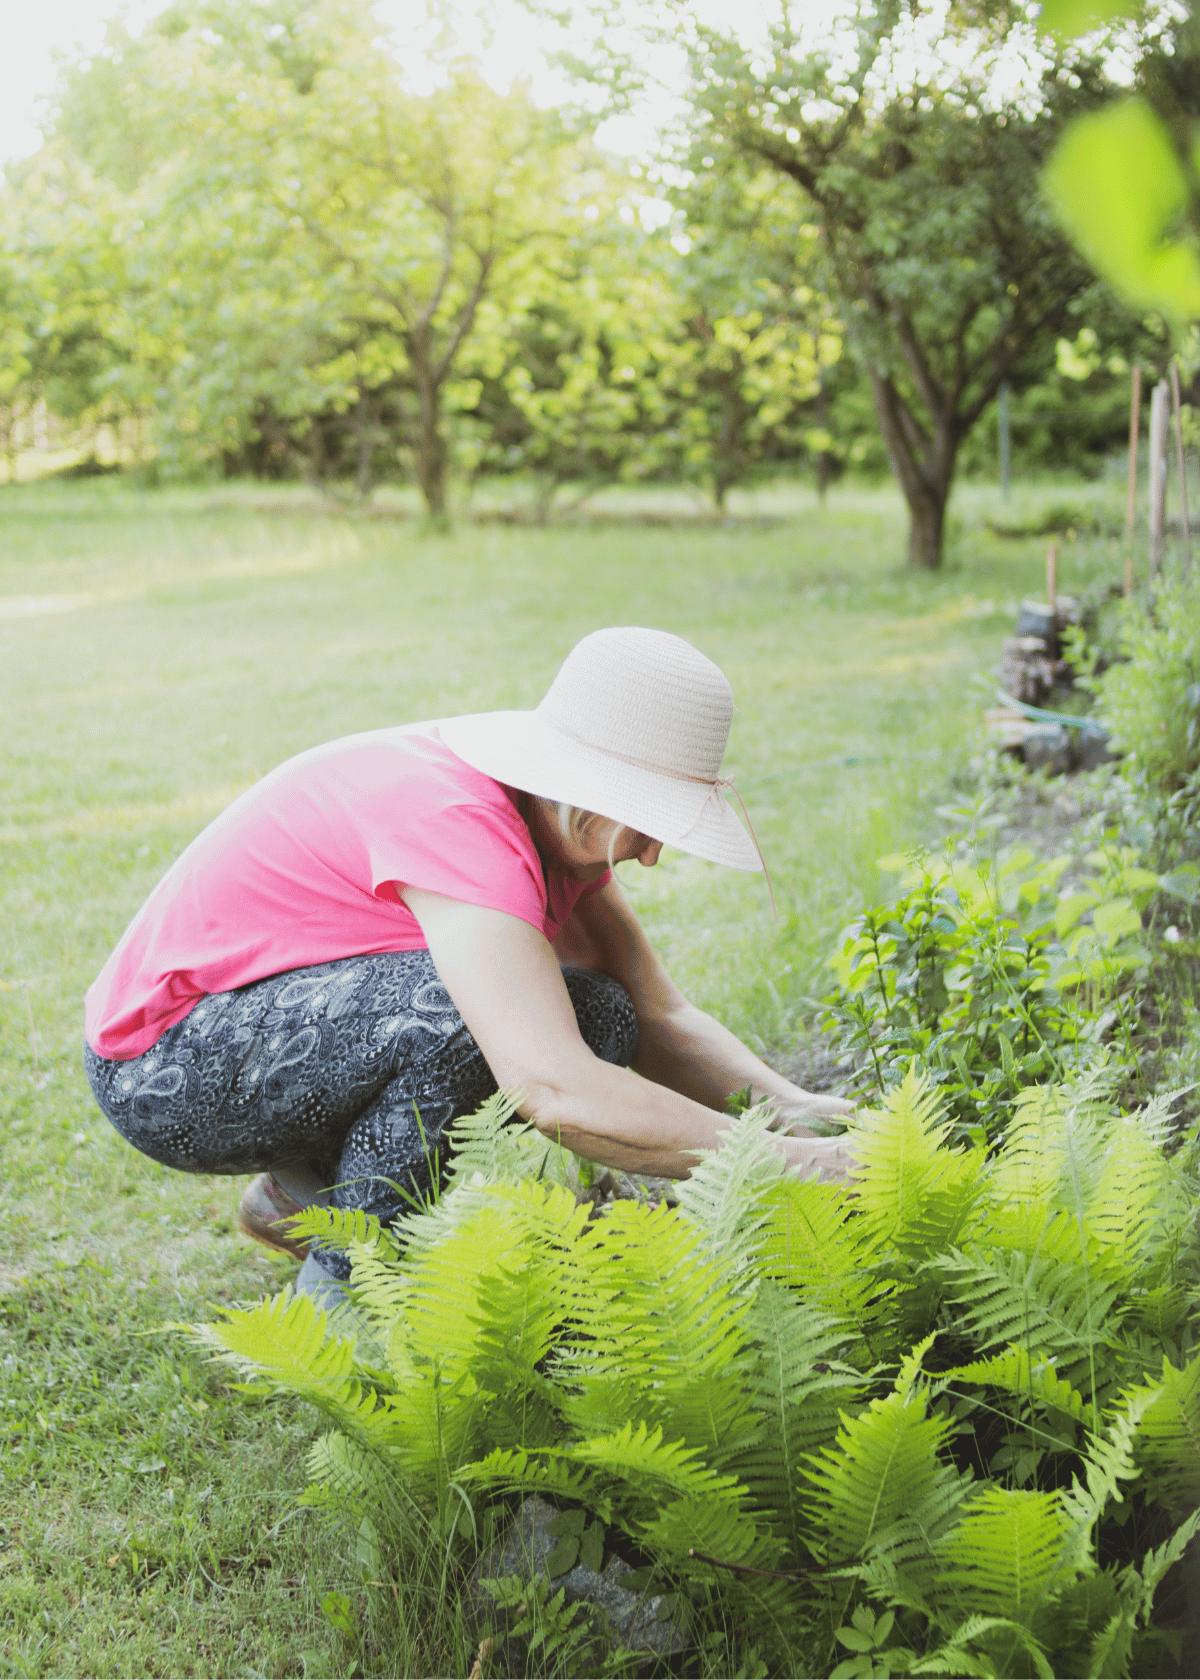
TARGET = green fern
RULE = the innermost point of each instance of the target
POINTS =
(690, 1376)
(912, 1192)
(673, 1352)
(881, 1470)
(795, 1381)
(1168, 1437)
(1004, 1556)
(1034, 1381)
(1048, 1307)
(814, 1243)
(725, 1195)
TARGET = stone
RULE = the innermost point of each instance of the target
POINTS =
(1047, 747)
(1039, 619)
(624, 1616)
(1092, 749)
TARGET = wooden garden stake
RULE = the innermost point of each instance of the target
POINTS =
(1052, 576)
(1158, 474)
(1183, 512)
(1135, 426)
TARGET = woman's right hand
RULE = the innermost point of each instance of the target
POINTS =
(830, 1159)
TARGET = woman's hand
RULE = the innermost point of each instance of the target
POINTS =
(830, 1158)
(795, 1113)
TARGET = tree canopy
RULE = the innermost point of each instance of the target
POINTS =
(247, 238)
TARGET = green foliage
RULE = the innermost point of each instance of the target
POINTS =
(1124, 178)
(923, 1453)
(994, 978)
(1151, 698)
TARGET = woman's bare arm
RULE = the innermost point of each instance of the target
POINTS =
(506, 983)
(679, 1046)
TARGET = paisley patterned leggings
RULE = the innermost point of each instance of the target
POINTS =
(328, 1066)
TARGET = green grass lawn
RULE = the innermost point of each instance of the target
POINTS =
(158, 651)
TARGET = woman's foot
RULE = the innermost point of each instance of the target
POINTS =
(263, 1213)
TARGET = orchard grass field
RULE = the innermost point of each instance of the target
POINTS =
(159, 650)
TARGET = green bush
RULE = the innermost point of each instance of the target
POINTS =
(938, 1422)
(991, 976)
(1151, 699)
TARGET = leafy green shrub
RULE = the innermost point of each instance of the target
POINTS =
(991, 976)
(942, 1421)
(1057, 519)
(1151, 699)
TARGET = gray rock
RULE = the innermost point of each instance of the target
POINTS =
(1092, 749)
(1038, 618)
(623, 1616)
(1047, 746)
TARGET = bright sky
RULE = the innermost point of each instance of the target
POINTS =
(500, 33)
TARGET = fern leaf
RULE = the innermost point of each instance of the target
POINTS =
(514, 1470)
(1168, 1437)
(795, 1382)
(724, 1195)
(814, 1243)
(1108, 1463)
(285, 1339)
(881, 1468)
(1047, 1307)
(491, 1147)
(912, 1192)
(956, 1658)
(1057, 1137)
(1123, 1209)
(673, 1350)
(1016, 1373)
(1156, 1563)
(1005, 1556)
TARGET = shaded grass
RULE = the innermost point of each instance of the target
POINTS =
(158, 652)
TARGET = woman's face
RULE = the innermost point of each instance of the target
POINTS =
(586, 858)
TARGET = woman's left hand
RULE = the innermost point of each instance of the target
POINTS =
(796, 1113)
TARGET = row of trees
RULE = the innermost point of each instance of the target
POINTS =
(243, 233)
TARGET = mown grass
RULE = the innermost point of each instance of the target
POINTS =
(158, 651)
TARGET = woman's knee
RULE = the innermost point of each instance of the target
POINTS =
(605, 1014)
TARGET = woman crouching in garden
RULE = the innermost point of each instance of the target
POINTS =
(377, 935)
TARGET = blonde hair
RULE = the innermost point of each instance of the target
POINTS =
(574, 823)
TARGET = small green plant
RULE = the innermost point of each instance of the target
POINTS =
(1150, 699)
(938, 1421)
(991, 976)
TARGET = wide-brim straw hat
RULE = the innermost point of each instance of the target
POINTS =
(633, 727)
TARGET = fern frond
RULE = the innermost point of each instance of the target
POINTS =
(1045, 1306)
(1168, 1436)
(1005, 1556)
(673, 1346)
(956, 1658)
(882, 1466)
(795, 1382)
(514, 1470)
(1123, 1209)
(286, 1339)
(642, 1472)
(912, 1192)
(1156, 1563)
(1109, 1462)
(491, 1147)
(724, 1195)
(1013, 1371)
(814, 1242)
(339, 1227)
(1056, 1141)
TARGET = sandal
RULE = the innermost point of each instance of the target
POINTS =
(263, 1213)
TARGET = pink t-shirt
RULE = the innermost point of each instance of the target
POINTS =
(306, 867)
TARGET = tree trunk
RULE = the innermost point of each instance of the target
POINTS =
(431, 452)
(923, 463)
